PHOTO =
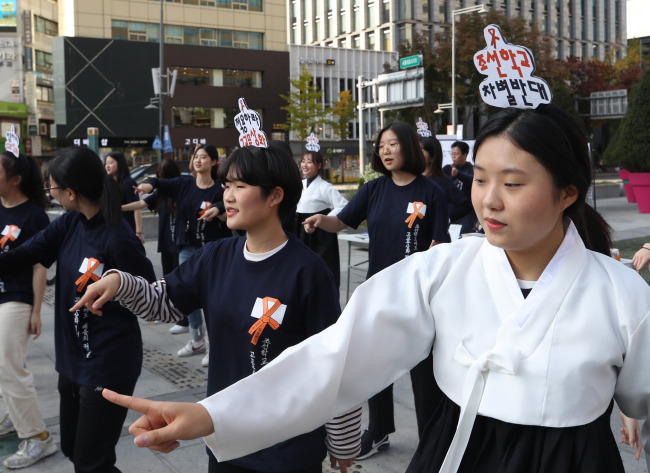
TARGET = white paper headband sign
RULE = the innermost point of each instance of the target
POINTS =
(509, 69)
(423, 128)
(312, 143)
(249, 125)
(13, 142)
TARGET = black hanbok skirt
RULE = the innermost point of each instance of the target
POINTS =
(500, 447)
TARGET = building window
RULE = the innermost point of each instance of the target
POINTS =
(370, 41)
(356, 42)
(45, 26)
(135, 31)
(200, 76)
(208, 37)
(385, 12)
(190, 35)
(385, 40)
(200, 117)
(173, 34)
(44, 93)
(43, 59)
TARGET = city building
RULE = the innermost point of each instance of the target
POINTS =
(335, 70)
(582, 28)
(221, 50)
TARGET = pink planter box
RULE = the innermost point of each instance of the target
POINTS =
(629, 191)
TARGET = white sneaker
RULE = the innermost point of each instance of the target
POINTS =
(190, 349)
(30, 451)
(6, 426)
(206, 359)
(176, 329)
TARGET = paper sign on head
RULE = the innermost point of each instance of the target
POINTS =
(13, 142)
(509, 69)
(249, 125)
(312, 143)
(423, 128)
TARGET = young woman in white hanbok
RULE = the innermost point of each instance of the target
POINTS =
(548, 332)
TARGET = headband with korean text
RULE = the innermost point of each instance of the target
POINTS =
(423, 128)
(312, 143)
(249, 125)
(509, 69)
(13, 142)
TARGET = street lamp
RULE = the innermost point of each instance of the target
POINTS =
(444, 106)
(454, 13)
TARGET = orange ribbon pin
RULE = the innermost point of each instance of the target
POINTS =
(93, 264)
(9, 236)
(258, 327)
(207, 206)
(417, 206)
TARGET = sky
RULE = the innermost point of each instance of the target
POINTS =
(638, 13)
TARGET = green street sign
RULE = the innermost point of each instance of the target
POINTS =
(410, 61)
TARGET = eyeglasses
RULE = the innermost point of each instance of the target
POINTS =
(46, 188)
(391, 147)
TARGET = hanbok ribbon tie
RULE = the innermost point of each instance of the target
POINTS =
(265, 319)
(12, 229)
(500, 359)
(417, 206)
(93, 264)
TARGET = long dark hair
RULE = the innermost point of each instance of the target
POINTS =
(555, 139)
(167, 169)
(31, 178)
(409, 147)
(214, 156)
(81, 170)
(122, 167)
(432, 146)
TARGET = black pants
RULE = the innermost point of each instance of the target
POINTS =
(215, 467)
(90, 425)
(169, 261)
(426, 394)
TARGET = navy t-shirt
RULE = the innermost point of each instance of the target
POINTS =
(92, 350)
(166, 223)
(463, 182)
(191, 202)
(18, 224)
(128, 195)
(293, 287)
(402, 220)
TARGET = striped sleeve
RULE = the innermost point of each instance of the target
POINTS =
(344, 435)
(147, 301)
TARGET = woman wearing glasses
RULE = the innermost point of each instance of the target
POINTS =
(22, 215)
(90, 238)
(406, 213)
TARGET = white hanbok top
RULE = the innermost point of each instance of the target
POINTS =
(318, 196)
(554, 359)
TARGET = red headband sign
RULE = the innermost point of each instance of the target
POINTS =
(249, 125)
(312, 143)
(423, 128)
(13, 142)
(509, 69)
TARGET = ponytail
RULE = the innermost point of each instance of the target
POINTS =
(595, 232)
(111, 202)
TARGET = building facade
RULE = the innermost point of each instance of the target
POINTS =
(220, 49)
(335, 70)
(582, 28)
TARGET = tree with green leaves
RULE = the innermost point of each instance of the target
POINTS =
(343, 111)
(306, 112)
(629, 148)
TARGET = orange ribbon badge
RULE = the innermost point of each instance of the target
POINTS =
(258, 327)
(93, 264)
(207, 206)
(11, 229)
(417, 206)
